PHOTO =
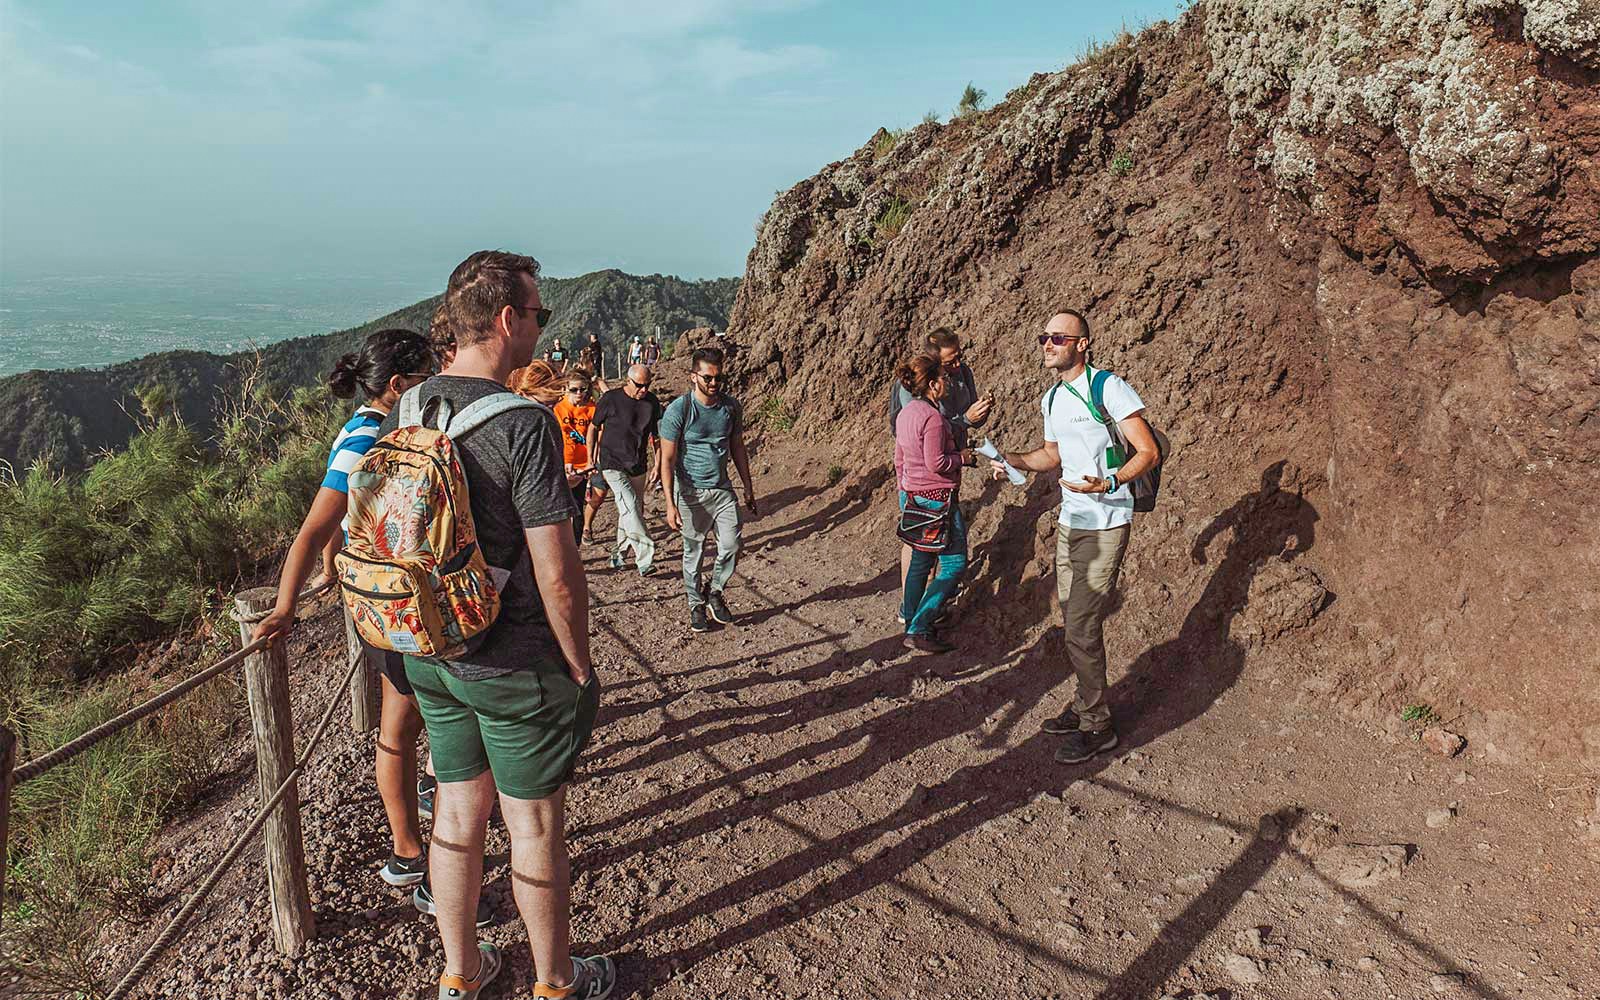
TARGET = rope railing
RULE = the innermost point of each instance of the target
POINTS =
(266, 677)
(174, 928)
(70, 749)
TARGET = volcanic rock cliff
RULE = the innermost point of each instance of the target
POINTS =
(1347, 252)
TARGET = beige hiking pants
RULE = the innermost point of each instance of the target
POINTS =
(1087, 563)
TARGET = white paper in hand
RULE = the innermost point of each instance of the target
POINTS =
(988, 450)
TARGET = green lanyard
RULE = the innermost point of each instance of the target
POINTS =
(1092, 411)
(1115, 456)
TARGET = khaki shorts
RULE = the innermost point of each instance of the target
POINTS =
(527, 727)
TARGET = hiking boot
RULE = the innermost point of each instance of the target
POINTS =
(929, 643)
(616, 559)
(592, 979)
(405, 871)
(457, 988)
(1066, 722)
(426, 786)
(697, 619)
(422, 899)
(719, 610)
(1080, 746)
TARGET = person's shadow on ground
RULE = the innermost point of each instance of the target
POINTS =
(1168, 686)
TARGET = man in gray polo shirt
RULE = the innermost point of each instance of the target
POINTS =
(699, 432)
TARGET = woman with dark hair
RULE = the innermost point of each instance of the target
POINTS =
(927, 464)
(389, 363)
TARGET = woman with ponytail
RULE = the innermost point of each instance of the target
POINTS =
(389, 363)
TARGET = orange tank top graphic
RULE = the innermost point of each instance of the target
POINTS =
(574, 422)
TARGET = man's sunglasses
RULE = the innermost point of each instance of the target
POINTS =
(542, 316)
(1059, 339)
(577, 390)
(708, 378)
(640, 385)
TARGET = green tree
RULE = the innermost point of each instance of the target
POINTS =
(971, 101)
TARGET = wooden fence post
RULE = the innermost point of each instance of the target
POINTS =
(266, 677)
(8, 760)
(365, 701)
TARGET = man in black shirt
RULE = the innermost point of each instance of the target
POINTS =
(622, 434)
(513, 713)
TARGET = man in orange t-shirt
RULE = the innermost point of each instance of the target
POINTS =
(574, 412)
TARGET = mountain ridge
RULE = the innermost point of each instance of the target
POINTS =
(70, 415)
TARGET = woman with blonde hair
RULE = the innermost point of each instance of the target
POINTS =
(927, 465)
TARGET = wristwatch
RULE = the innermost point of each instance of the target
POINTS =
(1112, 479)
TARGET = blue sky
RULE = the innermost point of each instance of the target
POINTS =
(287, 135)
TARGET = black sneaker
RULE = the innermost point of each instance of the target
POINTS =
(422, 899)
(719, 610)
(697, 619)
(405, 871)
(1066, 722)
(1080, 746)
(929, 643)
(426, 786)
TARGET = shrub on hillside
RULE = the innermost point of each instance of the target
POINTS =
(149, 541)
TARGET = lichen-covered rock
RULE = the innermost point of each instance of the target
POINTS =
(1426, 125)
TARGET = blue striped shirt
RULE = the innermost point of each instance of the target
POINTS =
(359, 432)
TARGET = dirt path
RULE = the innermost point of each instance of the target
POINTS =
(795, 807)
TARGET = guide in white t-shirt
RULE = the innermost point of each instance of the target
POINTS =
(1087, 448)
(1096, 514)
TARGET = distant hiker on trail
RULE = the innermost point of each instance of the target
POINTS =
(652, 351)
(927, 465)
(1096, 514)
(513, 712)
(635, 351)
(621, 435)
(558, 356)
(389, 363)
(700, 431)
(574, 413)
(961, 405)
(593, 355)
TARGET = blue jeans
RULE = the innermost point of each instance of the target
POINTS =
(924, 597)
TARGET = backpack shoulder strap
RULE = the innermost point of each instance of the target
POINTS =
(1097, 392)
(480, 412)
(1050, 399)
(411, 407)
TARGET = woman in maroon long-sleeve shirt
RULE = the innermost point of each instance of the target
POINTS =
(928, 464)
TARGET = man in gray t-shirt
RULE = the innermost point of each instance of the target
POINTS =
(509, 719)
(699, 432)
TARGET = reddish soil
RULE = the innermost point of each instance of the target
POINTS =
(796, 807)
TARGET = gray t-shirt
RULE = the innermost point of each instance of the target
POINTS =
(702, 433)
(516, 480)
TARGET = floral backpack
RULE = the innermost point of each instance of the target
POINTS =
(413, 577)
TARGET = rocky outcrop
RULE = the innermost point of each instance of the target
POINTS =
(1349, 253)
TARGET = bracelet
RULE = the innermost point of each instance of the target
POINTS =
(1112, 479)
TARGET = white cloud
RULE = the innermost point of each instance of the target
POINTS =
(725, 61)
(286, 61)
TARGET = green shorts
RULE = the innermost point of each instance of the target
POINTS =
(527, 727)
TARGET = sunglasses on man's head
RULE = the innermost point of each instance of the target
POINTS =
(1059, 339)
